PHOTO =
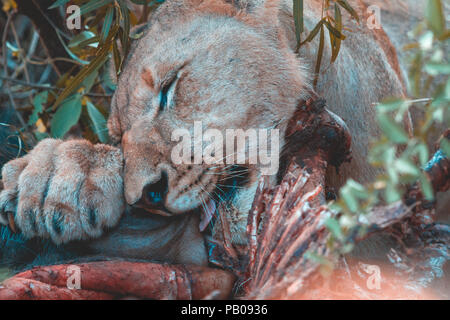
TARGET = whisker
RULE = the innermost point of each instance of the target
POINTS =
(223, 158)
(223, 185)
(241, 175)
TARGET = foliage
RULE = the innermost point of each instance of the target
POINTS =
(331, 20)
(81, 96)
(402, 158)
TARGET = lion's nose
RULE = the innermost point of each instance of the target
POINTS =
(155, 193)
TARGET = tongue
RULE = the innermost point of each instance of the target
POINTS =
(207, 214)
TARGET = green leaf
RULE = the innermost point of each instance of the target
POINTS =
(344, 4)
(89, 81)
(69, 52)
(391, 129)
(117, 59)
(125, 18)
(314, 32)
(99, 122)
(38, 101)
(334, 31)
(391, 193)
(422, 150)
(298, 20)
(346, 193)
(90, 6)
(426, 187)
(434, 15)
(93, 42)
(336, 43)
(405, 166)
(81, 38)
(58, 3)
(107, 23)
(335, 228)
(107, 81)
(445, 147)
(66, 116)
(435, 69)
(95, 64)
(319, 55)
(358, 189)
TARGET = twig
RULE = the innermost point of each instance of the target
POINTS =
(5, 64)
(16, 38)
(51, 60)
(43, 86)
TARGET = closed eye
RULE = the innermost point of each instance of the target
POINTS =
(166, 94)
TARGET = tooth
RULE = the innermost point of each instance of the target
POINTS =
(12, 224)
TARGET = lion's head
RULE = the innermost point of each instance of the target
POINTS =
(207, 61)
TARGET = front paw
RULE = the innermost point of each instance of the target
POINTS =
(67, 190)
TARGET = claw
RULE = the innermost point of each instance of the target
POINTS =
(12, 224)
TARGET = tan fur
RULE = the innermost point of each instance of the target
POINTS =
(236, 69)
(64, 190)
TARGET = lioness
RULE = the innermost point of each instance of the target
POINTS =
(229, 64)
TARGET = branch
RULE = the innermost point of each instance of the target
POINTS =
(47, 23)
(43, 86)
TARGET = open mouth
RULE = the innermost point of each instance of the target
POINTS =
(234, 178)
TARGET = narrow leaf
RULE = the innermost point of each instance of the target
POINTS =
(435, 17)
(392, 130)
(314, 32)
(99, 122)
(58, 3)
(76, 82)
(426, 187)
(90, 6)
(107, 23)
(81, 38)
(319, 55)
(97, 62)
(298, 20)
(125, 18)
(334, 31)
(38, 102)
(344, 4)
(66, 116)
(334, 227)
(337, 41)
